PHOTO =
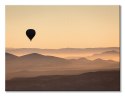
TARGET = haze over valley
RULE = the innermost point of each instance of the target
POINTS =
(35, 64)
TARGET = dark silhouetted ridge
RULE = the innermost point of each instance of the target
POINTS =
(93, 81)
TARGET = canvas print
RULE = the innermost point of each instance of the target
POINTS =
(62, 48)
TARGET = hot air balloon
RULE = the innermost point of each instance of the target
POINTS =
(30, 33)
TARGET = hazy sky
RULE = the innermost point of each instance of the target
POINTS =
(62, 26)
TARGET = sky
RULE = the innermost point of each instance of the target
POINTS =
(63, 26)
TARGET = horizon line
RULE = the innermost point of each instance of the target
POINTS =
(64, 47)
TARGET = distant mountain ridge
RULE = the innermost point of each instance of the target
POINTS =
(69, 53)
(39, 57)
(62, 50)
(111, 52)
(35, 58)
(112, 55)
(34, 64)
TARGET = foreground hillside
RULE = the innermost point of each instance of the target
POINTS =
(92, 81)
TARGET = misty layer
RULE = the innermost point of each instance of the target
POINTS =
(34, 64)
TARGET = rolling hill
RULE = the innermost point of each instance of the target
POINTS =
(62, 52)
(112, 55)
(34, 64)
(92, 81)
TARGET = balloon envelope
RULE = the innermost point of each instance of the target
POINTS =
(30, 33)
